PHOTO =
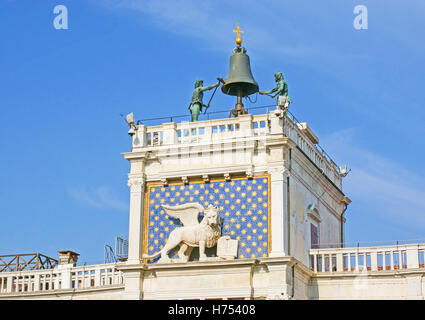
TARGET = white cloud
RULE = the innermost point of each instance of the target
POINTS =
(266, 30)
(101, 197)
(386, 187)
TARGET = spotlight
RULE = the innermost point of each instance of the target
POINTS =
(343, 171)
(129, 118)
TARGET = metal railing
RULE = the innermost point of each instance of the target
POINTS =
(203, 116)
(26, 261)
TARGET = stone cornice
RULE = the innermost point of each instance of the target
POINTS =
(197, 265)
(279, 140)
(203, 265)
(317, 176)
(317, 172)
(236, 143)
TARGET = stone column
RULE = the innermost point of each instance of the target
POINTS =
(136, 183)
(279, 214)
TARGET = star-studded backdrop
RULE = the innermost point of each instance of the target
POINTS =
(243, 204)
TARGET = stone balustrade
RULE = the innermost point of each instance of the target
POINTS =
(363, 259)
(205, 131)
(229, 129)
(60, 278)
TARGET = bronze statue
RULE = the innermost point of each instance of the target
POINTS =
(281, 90)
(196, 104)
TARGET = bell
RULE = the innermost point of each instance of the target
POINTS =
(239, 81)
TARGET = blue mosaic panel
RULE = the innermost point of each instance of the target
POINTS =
(243, 205)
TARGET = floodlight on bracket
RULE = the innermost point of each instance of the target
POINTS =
(129, 119)
(343, 171)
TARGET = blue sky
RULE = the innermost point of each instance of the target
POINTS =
(63, 183)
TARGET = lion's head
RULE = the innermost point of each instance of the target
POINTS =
(211, 217)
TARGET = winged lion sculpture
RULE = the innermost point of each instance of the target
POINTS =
(202, 234)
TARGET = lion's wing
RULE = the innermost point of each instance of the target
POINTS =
(187, 213)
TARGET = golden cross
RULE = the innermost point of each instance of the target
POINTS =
(238, 31)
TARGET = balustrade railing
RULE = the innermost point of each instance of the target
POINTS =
(62, 277)
(361, 259)
(206, 131)
(318, 157)
(230, 128)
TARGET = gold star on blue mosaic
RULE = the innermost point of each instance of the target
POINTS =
(243, 205)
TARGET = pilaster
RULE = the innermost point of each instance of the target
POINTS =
(279, 214)
(136, 182)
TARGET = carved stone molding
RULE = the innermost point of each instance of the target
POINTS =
(185, 180)
(249, 174)
(136, 184)
(281, 296)
(277, 170)
(278, 173)
(313, 212)
(164, 181)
